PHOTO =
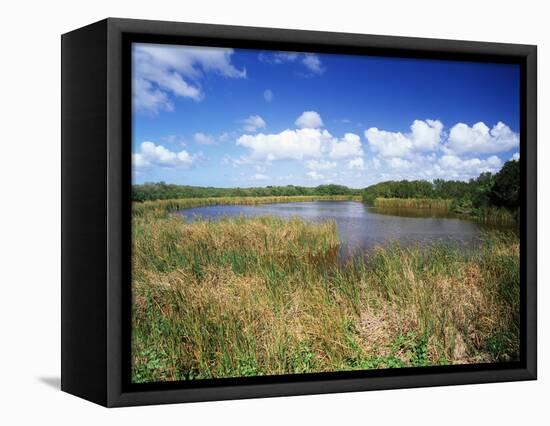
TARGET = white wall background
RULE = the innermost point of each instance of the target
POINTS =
(30, 210)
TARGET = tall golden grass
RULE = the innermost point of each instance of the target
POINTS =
(415, 203)
(264, 296)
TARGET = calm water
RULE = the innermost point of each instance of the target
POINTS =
(359, 226)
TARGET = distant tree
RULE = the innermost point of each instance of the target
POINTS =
(481, 188)
(163, 191)
(487, 190)
(332, 189)
(505, 191)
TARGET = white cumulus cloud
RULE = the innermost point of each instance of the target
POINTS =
(480, 139)
(356, 164)
(429, 167)
(301, 144)
(424, 136)
(320, 165)
(315, 175)
(254, 123)
(388, 144)
(151, 155)
(425, 152)
(399, 163)
(310, 120)
(471, 167)
(348, 146)
(288, 145)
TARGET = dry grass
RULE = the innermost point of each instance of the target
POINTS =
(263, 296)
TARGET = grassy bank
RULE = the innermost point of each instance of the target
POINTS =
(414, 203)
(487, 214)
(160, 207)
(261, 296)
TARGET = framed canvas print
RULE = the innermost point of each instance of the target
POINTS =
(252, 212)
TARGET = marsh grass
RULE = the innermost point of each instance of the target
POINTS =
(497, 215)
(263, 296)
(490, 215)
(414, 203)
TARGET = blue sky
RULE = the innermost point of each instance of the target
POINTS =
(234, 117)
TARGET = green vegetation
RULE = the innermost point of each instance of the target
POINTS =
(490, 198)
(400, 189)
(262, 296)
(163, 191)
(414, 203)
(504, 189)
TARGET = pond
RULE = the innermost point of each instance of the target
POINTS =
(360, 226)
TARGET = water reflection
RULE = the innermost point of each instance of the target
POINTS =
(414, 212)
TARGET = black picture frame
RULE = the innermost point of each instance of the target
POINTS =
(96, 179)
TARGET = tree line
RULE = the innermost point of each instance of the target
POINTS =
(164, 191)
(488, 190)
